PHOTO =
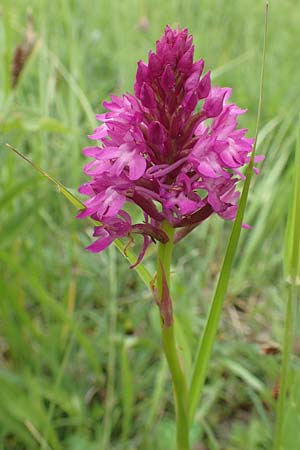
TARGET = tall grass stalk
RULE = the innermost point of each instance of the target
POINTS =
(210, 330)
(292, 272)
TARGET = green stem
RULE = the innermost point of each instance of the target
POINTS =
(169, 346)
(285, 366)
(112, 354)
(210, 330)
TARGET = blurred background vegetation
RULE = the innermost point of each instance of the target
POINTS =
(80, 358)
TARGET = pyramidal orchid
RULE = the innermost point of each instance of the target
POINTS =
(173, 149)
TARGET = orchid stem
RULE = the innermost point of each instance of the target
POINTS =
(180, 391)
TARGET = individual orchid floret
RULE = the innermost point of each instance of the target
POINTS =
(173, 149)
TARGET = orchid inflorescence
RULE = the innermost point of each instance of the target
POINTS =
(173, 160)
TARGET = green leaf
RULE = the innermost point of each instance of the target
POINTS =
(244, 374)
(210, 330)
(127, 393)
(292, 239)
(292, 271)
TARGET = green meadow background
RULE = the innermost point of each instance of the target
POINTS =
(80, 358)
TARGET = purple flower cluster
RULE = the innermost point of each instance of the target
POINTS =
(175, 161)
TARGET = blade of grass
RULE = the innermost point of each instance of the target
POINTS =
(37, 435)
(34, 285)
(61, 188)
(13, 227)
(213, 443)
(267, 187)
(74, 87)
(16, 190)
(127, 393)
(243, 373)
(210, 330)
(18, 407)
(129, 255)
(292, 269)
(285, 365)
(292, 242)
(57, 383)
(155, 405)
(235, 62)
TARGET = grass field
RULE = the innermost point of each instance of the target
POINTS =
(80, 354)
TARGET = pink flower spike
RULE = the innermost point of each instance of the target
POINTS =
(162, 149)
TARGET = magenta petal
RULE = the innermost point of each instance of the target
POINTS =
(168, 78)
(191, 82)
(190, 101)
(137, 167)
(100, 244)
(92, 152)
(205, 169)
(186, 205)
(86, 189)
(141, 74)
(259, 158)
(198, 67)
(112, 203)
(114, 105)
(125, 216)
(127, 156)
(229, 213)
(186, 61)
(228, 159)
(100, 232)
(204, 86)
(91, 205)
(156, 132)
(102, 117)
(213, 105)
(146, 244)
(99, 132)
(154, 65)
(246, 226)
(147, 96)
(84, 213)
(96, 167)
